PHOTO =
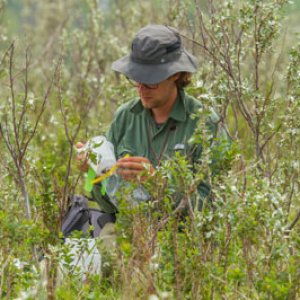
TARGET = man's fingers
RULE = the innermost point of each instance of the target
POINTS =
(131, 165)
(128, 172)
(138, 159)
(79, 145)
(129, 168)
(81, 157)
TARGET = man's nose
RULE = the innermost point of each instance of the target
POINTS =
(141, 87)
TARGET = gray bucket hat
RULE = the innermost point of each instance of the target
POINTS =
(156, 54)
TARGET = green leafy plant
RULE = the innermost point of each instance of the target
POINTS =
(57, 89)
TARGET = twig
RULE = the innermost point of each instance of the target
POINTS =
(293, 223)
(3, 266)
(267, 140)
(24, 103)
(290, 196)
(16, 139)
(71, 136)
(45, 100)
(6, 53)
(13, 99)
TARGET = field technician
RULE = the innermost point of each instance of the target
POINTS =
(151, 128)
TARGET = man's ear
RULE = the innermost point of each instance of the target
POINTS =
(175, 77)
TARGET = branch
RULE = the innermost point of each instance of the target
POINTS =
(278, 60)
(294, 222)
(13, 99)
(238, 44)
(24, 102)
(291, 195)
(6, 138)
(17, 151)
(3, 267)
(46, 96)
(256, 42)
(70, 137)
(185, 202)
(6, 53)
(261, 148)
(205, 48)
(228, 70)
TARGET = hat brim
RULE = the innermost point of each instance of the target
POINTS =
(154, 73)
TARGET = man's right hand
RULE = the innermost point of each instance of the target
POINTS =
(82, 158)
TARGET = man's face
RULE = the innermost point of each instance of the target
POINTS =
(159, 97)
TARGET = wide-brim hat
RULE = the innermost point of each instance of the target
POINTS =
(156, 54)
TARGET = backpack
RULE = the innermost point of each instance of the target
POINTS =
(80, 217)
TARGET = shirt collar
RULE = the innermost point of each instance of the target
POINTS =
(136, 107)
(178, 112)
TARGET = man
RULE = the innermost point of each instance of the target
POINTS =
(159, 122)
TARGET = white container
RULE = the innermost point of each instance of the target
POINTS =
(105, 155)
(84, 258)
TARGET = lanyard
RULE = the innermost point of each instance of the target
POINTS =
(156, 156)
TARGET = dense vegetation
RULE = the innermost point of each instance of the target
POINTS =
(57, 88)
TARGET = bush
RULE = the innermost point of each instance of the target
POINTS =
(57, 88)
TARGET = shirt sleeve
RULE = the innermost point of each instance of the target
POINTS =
(112, 132)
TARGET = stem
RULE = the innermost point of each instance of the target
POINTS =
(24, 191)
(294, 222)
(13, 99)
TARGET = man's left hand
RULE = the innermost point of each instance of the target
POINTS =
(130, 168)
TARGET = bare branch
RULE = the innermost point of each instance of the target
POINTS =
(13, 99)
(238, 44)
(13, 135)
(71, 137)
(256, 47)
(42, 109)
(6, 137)
(6, 53)
(206, 49)
(229, 71)
(24, 102)
(291, 196)
(267, 140)
(4, 265)
(294, 222)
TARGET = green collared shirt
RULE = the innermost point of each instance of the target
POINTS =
(133, 131)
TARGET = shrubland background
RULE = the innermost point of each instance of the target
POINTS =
(57, 88)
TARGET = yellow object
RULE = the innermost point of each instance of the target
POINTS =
(105, 175)
(108, 173)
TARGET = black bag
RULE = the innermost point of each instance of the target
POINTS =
(80, 217)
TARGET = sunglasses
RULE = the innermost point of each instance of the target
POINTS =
(139, 84)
